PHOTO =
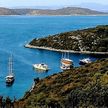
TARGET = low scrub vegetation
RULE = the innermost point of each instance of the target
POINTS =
(86, 86)
(91, 39)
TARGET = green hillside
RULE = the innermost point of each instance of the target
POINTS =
(86, 86)
(91, 39)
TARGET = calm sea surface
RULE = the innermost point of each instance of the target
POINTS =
(15, 31)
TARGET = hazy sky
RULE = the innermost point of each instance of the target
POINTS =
(13, 3)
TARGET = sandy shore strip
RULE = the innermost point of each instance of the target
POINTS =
(59, 50)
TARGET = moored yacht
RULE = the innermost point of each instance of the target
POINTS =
(9, 80)
(10, 77)
(85, 61)
(41, 66)
(66, 63)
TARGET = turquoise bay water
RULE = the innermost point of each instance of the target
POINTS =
(15, 31)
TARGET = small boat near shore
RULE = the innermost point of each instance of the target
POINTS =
(85, 61)
(41, 66)
(10, 77)
(66, 63)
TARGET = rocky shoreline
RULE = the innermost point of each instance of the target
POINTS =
(60, 50)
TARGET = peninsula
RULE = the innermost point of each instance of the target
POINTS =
(89, 41)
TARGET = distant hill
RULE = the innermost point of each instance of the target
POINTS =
(6, 11)
(62, 11)
(67, 11)
(95, 6)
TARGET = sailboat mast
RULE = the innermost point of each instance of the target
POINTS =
(10, 65)
(68, 55)
(62, 54)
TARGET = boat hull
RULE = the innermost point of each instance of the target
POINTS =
(82, 63)
(9, 82)
(65, 68)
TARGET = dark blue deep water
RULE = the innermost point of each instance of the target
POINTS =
(15, 31)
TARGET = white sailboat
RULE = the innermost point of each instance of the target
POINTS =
(85, 61)
(66, 63)
(10, 77)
